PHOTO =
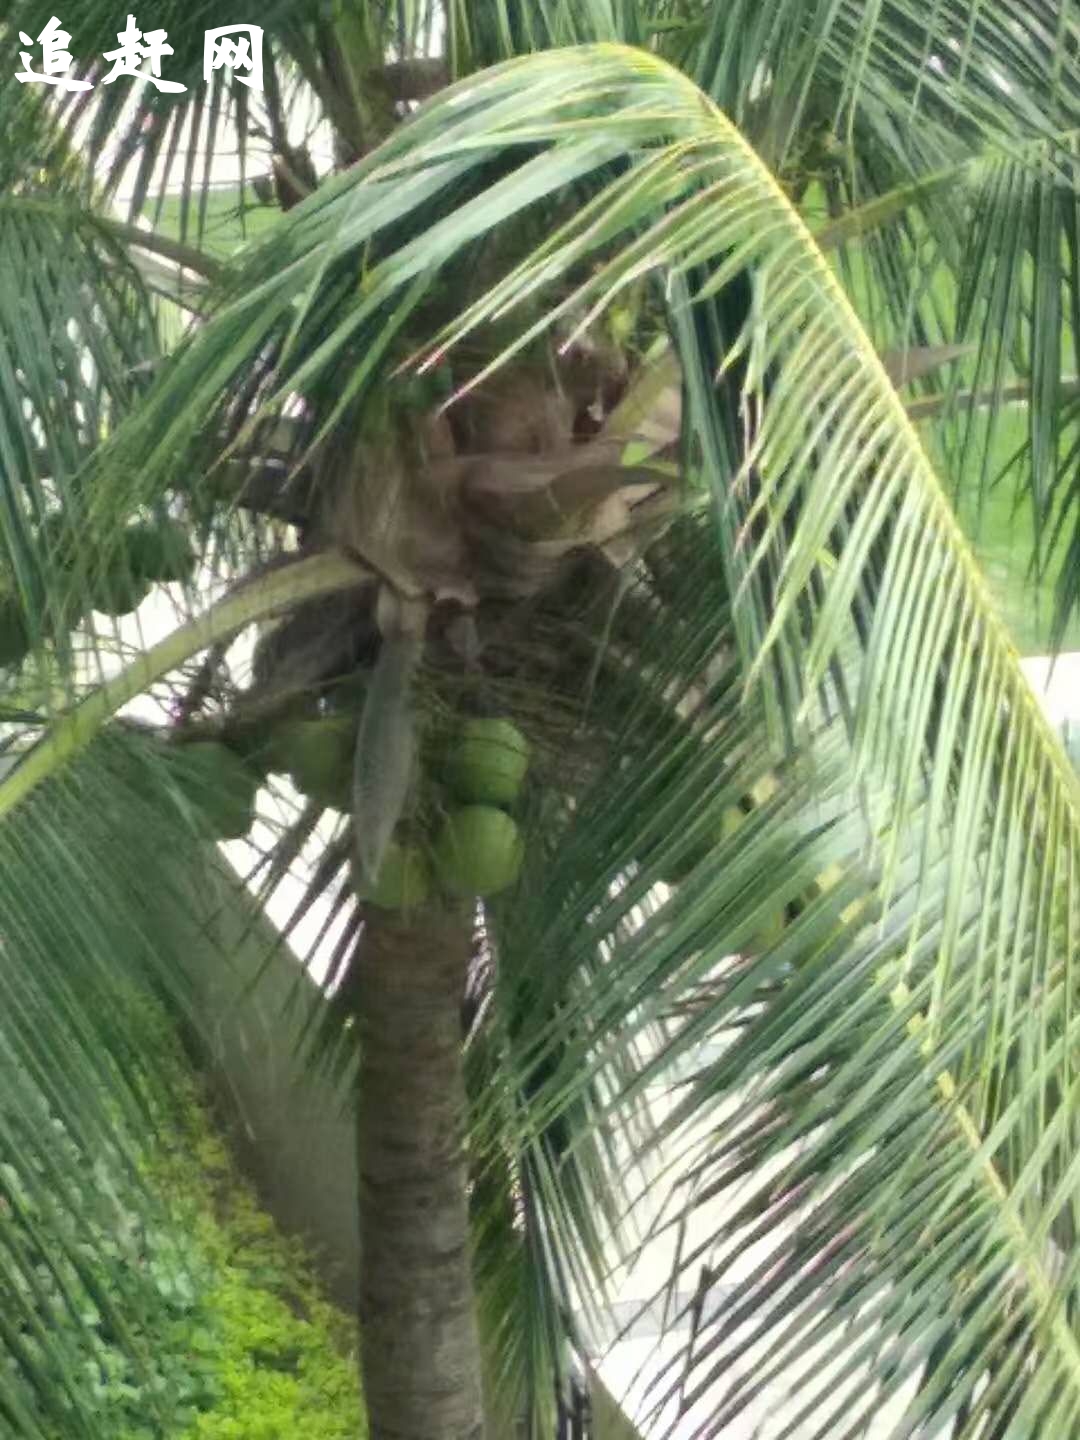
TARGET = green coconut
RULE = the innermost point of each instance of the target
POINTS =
(160, 553)
(66, 605)
(478, 851)
(404, 880)
(253, 743)
(317, 755)
(772, 931)
(117, 589)
(681, 868)
(220, 786)
(487, 762)
(14, 638)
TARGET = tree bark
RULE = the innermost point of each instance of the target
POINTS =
(420, 1348)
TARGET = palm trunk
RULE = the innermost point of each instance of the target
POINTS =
(419, 1342)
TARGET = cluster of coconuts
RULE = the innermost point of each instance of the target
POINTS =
(477, 847)
(222, 782)
(147, 554)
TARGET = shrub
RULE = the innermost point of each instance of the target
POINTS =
(164, 1304)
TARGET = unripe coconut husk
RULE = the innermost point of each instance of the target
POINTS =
(66, 605)
(220, 785)
(161, 552)
(771, 932)
(255, 733)
(318, 757)
(404, 880)
(478, 851)
(117, 590)
(487, 763)
(14, 637)
(253, 743)
(114, 588)
(679, 870)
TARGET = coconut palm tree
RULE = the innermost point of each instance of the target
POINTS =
(578, 434)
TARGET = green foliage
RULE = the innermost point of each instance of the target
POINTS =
(190, 1316)
(285, 1357)
(136, 1280)
(220, 786)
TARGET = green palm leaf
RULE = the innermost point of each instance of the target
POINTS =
(74, 312)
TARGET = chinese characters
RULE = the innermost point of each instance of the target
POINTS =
(135, 47)
(55, 59)
(236, 48)
(138, 56)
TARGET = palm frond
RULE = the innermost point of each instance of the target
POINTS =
(79, 340)
(118, 861)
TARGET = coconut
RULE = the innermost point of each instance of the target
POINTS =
(253, 742)
(682, 866)
(14, 639)
(220, 785)
(772, 931)
(404, 880)
(160, 553)
(117, 590)
(488, 761)
(678, 870)
(65, 605)
(478, 851)
(318, 757)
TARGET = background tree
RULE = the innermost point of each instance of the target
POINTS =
(690, 275)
